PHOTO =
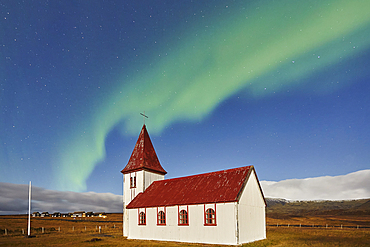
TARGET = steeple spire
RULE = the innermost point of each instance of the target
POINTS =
(144, 156)
(144, 116)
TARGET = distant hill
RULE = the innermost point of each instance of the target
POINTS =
(277, 208)
(275, 201)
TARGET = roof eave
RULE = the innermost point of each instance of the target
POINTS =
(145, 169)
(176, 204)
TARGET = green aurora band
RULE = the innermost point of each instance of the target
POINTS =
(262, 52)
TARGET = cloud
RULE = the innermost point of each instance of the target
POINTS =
(14, 200)
(345, 187)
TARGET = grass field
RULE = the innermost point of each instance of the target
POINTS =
(85, 232)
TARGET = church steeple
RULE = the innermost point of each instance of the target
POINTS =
(144, 156)
(142, 169)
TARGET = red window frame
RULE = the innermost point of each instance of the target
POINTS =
(210, 216)
(183, 219)
(161, 217)
(141, 217)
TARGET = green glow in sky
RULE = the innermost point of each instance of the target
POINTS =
(275, 42)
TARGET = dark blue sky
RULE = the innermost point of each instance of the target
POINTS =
(280, 85)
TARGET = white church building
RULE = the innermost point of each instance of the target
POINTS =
(222, 207)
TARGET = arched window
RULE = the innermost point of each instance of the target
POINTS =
(210, 217)
(161, 218)
(142, 218)
(183, 218)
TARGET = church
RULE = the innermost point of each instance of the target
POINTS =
(222, 207)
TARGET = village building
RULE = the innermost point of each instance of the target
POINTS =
(89, 214)
(56, 214)
(222, 207)
(100, 214)
(79, 214)
(44, 214)
(36, 214)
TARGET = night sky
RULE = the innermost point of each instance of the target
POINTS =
(283, 85)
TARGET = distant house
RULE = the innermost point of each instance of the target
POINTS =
(222, 207)
(36, 214)
(67, 215)
(100, 214)
(90, 214)
(44, 214)
(79, 214)
(56, 214)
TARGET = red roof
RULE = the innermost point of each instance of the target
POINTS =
(144, 156)
(214, 187)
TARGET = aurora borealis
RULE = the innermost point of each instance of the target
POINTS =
(281, 85)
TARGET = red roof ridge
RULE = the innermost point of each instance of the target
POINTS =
(205, 174)
(143, 156)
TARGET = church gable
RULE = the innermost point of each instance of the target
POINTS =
(214, 187)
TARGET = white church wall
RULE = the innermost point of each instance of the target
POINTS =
(126, 200)
(251, 213)
(143, 180)
(196, 232)
(150, 177)
(128, 192)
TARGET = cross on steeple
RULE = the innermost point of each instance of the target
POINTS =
(144, 116)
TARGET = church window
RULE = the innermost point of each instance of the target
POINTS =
(133, 182)
(161, 220)
(210, 217)
(183, 218)
(142, 218)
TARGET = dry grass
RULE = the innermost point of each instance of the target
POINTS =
(283, 236)
(330, 220)
(16, 223)
(73, 233)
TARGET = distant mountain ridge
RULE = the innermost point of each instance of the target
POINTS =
(277, 207)
(276, 201)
